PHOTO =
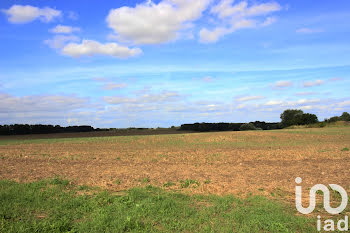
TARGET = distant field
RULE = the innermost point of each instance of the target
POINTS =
(110, 133)
(263, 163)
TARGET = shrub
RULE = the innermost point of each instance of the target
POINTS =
(247, 126)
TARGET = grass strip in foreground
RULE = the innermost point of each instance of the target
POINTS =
(57, 206)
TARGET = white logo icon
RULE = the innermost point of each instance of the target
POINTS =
(326, 198)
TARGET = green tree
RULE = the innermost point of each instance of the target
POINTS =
(345, 116)
(308, 118)
(290, 117)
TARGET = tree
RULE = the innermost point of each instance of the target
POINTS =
(307, 118)
(345, 116)
(290, 117)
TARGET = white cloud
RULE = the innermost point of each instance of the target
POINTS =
(306, 93)
(46, 109)
(313, 83)
(309, 30)
(335, 79)
(273, 102)
(72, 15)
(27, 13)
(238, 16)
(225, 9)
(344, 103)
(164, 96)
(151, 23)
(268, 21)
(113, 86)
(60, 41)
(91, 47)
(210, 36)
(109, 85)
(282, 84)
(64, 29)
(293, 103)
(42, 103)
(248, 98)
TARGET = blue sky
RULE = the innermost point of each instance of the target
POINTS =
(163, 63)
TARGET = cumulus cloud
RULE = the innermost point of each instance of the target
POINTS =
(91, 47)
(60, 41)
(313, 83)
(238, 16)
(309, 30)
(249, 98)
(282, 84)
(64, 29)
(27, 13)
(151, 23)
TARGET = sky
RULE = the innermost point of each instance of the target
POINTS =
(162, 63)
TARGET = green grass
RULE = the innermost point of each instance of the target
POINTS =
(58, 206)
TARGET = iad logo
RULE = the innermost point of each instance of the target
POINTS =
(329, 225)
(326, 198)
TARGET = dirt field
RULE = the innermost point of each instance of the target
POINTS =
(258, 162)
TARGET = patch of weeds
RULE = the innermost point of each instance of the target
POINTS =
(163, 156)
(168, 184)
(188, 182)
(83, 187)
(59, 181)
(145, 180)
(319, 192)
(345, 149)
(279, 193)
(207, 182)
(261, 189)
(335, 194)
(117, 181)
(118, 158)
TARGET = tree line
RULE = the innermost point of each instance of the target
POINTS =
(289, 117)
(17, 129)
(344, 117)
(206, 127)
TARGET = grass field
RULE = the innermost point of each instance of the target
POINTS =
(199, 182)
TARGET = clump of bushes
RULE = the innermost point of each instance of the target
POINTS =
(247, 126)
